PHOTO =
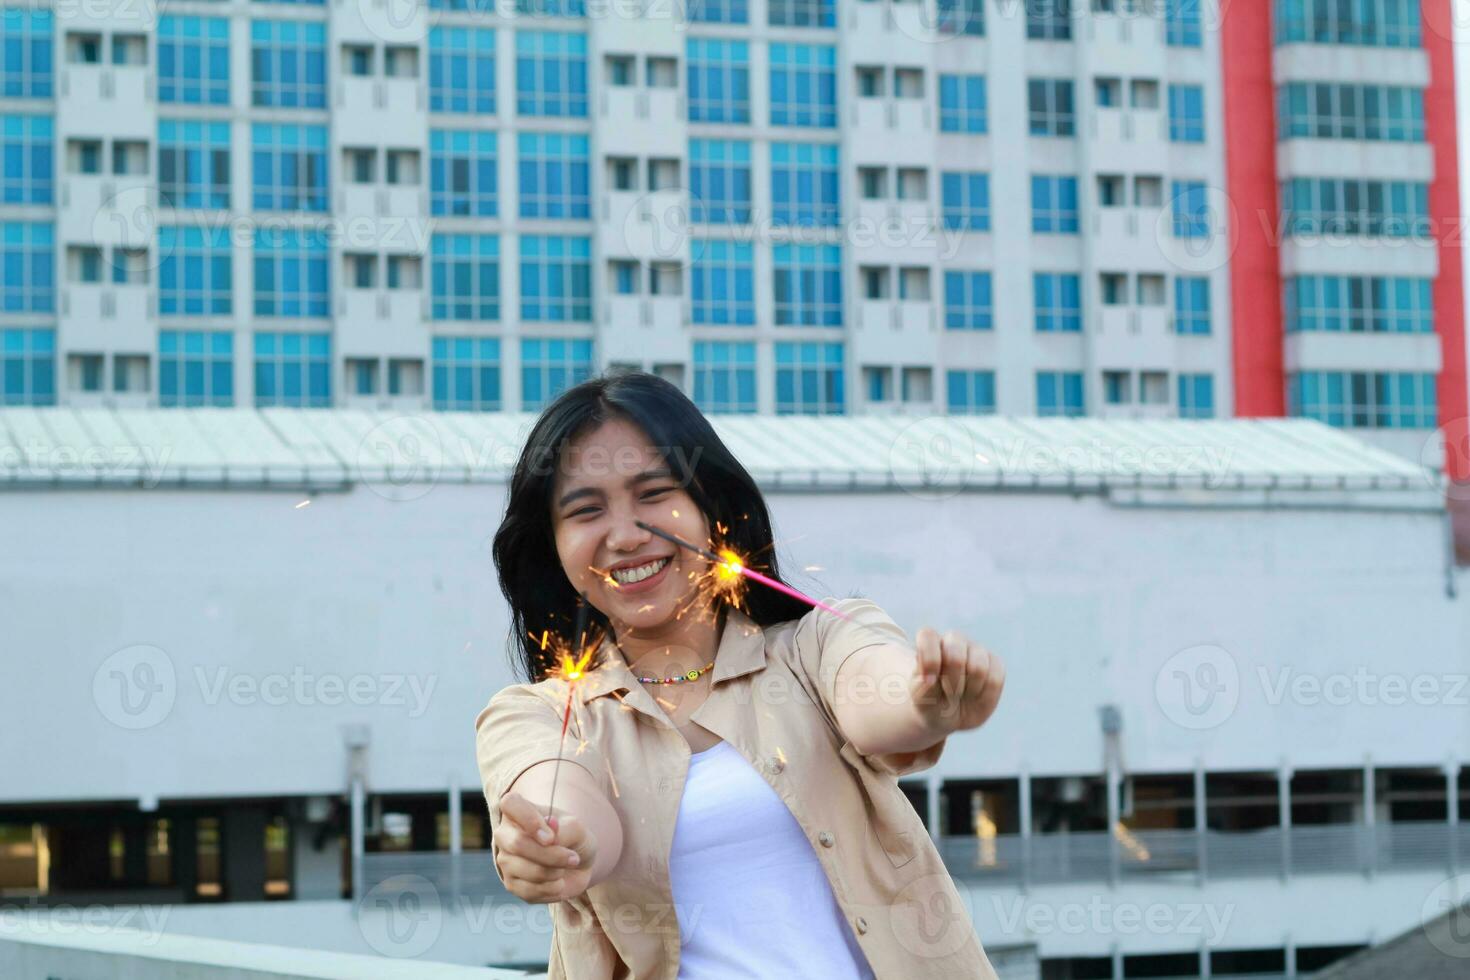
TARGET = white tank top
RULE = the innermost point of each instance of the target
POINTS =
(750, 895)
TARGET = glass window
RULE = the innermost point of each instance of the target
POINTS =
(27, 365)
(196, 367)
(293, 370)
(29, 157)
(194, 271)
(719, 181)
(553, 171)
(463, 179)
(289, 165)
(549, 366)
(722, 282)
(808, 285)
(719, 80)
(466, 374)
(970, 392)
(462, 70)
(193, 60)
(28, 258)
(803, 85)
(288, 64)
(724, 376)
(809, 378)
(1059, 393)
(962, 103)
(804, 184)
(1057, 297)
(556, 277)
(465, 274)
(551, 74)
(967, 301)
(292, 273)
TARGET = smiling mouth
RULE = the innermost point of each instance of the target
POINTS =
(632, 576)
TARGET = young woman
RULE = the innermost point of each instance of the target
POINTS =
(728, 803)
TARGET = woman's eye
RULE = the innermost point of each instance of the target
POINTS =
(582, 510)
(657, 492)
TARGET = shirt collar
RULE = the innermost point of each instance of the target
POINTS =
(742, 650)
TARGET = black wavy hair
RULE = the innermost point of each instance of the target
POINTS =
(531, 577)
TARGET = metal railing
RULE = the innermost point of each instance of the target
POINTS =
(1010, 859)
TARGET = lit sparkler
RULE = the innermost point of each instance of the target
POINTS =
(572, 667)
(730, 568)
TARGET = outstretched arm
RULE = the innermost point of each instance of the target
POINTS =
(913, 700)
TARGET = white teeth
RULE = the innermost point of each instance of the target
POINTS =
(628, 576)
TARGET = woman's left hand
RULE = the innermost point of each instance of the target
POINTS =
(957, 682)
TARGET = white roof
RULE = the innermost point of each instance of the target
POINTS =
(326, 449)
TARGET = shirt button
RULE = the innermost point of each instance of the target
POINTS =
(862, 925)
(775, 764)
(825, 838)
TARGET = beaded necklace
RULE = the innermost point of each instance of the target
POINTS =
(691, 674)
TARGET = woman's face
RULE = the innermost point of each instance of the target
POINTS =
(608, 480)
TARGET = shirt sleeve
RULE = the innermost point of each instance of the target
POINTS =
(520, 727)
(825, 641)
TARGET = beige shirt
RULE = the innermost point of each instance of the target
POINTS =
(771, 697)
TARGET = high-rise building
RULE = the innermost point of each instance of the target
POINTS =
(1129, 207)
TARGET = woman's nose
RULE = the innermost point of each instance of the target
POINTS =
(625, 534)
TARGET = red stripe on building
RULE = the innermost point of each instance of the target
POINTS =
(1444, 209)
(1250, 178)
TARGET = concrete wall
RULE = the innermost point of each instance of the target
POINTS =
(193, 644)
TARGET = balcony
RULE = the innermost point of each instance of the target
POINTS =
(648, 121)
(381, 322)
(105, 100)
(1133, 337)
(1010, 860)
(107, 317)
(892, 331)
(367, 109)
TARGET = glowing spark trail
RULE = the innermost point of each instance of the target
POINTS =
(731, 564)
(571, 671)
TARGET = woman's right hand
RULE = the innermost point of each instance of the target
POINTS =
(541, 862)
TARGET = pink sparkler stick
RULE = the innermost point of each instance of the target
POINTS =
(752, 574)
